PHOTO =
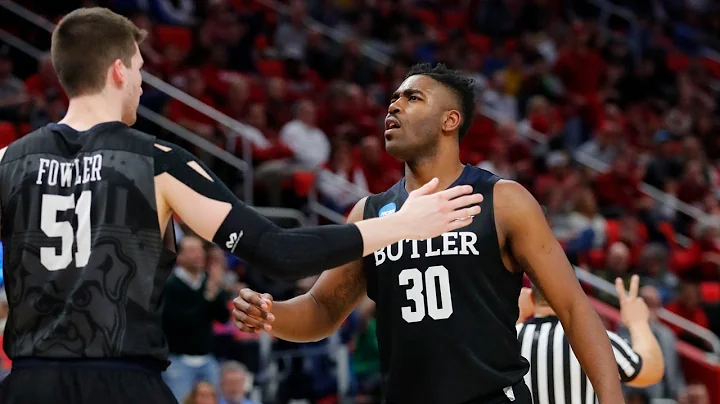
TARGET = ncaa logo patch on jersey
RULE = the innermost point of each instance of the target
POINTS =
(388, 209)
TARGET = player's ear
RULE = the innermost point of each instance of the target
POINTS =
(452, 120)
(118, 73)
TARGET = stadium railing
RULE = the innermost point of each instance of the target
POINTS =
(703, 333)
(698, 366)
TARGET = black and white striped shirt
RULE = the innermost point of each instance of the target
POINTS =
(555, 376)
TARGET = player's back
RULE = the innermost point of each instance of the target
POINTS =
(446, 309)
(85, 262)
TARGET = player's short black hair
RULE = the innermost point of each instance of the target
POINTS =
(459, 84)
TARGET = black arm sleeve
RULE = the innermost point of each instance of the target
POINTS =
(287, 254)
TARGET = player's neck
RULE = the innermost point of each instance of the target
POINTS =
(445, 166)
(86, 111)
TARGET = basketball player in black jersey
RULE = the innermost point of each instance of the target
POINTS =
(447, 306)
(86, 210)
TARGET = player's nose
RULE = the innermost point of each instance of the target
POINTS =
(393, 108)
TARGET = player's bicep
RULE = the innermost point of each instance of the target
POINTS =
(629, 362)
(533, 247)
(339, 290)
(191, 191)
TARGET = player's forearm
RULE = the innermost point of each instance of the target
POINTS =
(380, 232)
(591, 345)
(647, 346)
(301, 319)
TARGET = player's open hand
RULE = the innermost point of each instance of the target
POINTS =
(632, 308)
(431, 214)
(251, 312)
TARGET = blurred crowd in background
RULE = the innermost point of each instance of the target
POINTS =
(589, 116)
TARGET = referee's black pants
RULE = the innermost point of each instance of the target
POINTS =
(34, 381)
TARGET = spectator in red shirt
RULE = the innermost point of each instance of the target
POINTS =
(189, 117)
(687, 305)
(618, 189)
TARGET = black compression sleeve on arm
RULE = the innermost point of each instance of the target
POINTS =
(288, 254)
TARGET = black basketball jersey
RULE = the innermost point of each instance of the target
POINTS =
(84, 261)
(446, 308)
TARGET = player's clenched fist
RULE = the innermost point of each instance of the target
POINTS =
(251, 312)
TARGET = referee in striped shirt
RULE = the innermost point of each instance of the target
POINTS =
(555, 376)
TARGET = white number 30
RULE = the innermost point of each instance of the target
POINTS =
(51, 205)
(415, 293)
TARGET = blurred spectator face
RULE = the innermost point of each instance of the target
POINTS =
(192, 254)
(238, 91)
(195, 83)
(498, 81)
(621, 166)
(276, 88)
(652, 298)
(306, 112)
(370, 150)
(618, 258)
(689, 295)
(606, 134)
(297, 12)
(341, 152)
(693, 172)
(585, 203)
(695, 394)
(203, 393)
(256, 116)
(232, 386)
(692, 148)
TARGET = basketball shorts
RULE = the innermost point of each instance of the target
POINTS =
(34, 381)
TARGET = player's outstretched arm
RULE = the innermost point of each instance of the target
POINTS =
(535, 251)
(313, 315)
(185, 186)
(645, 357)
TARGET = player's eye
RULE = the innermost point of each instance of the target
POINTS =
(414, 98)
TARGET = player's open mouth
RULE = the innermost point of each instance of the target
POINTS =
(391, 124)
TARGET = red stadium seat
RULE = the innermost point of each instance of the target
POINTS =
(677, 61)
(271, 68)
(455, 19)
(479, 42)
(177, 36)
(303, 181)
(710, 292)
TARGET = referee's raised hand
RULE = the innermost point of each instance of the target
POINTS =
(632, 308)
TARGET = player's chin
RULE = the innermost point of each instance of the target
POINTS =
(398, 149)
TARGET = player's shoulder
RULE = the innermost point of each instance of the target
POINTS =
(33, 142)
(384, 203)
(476, 174)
